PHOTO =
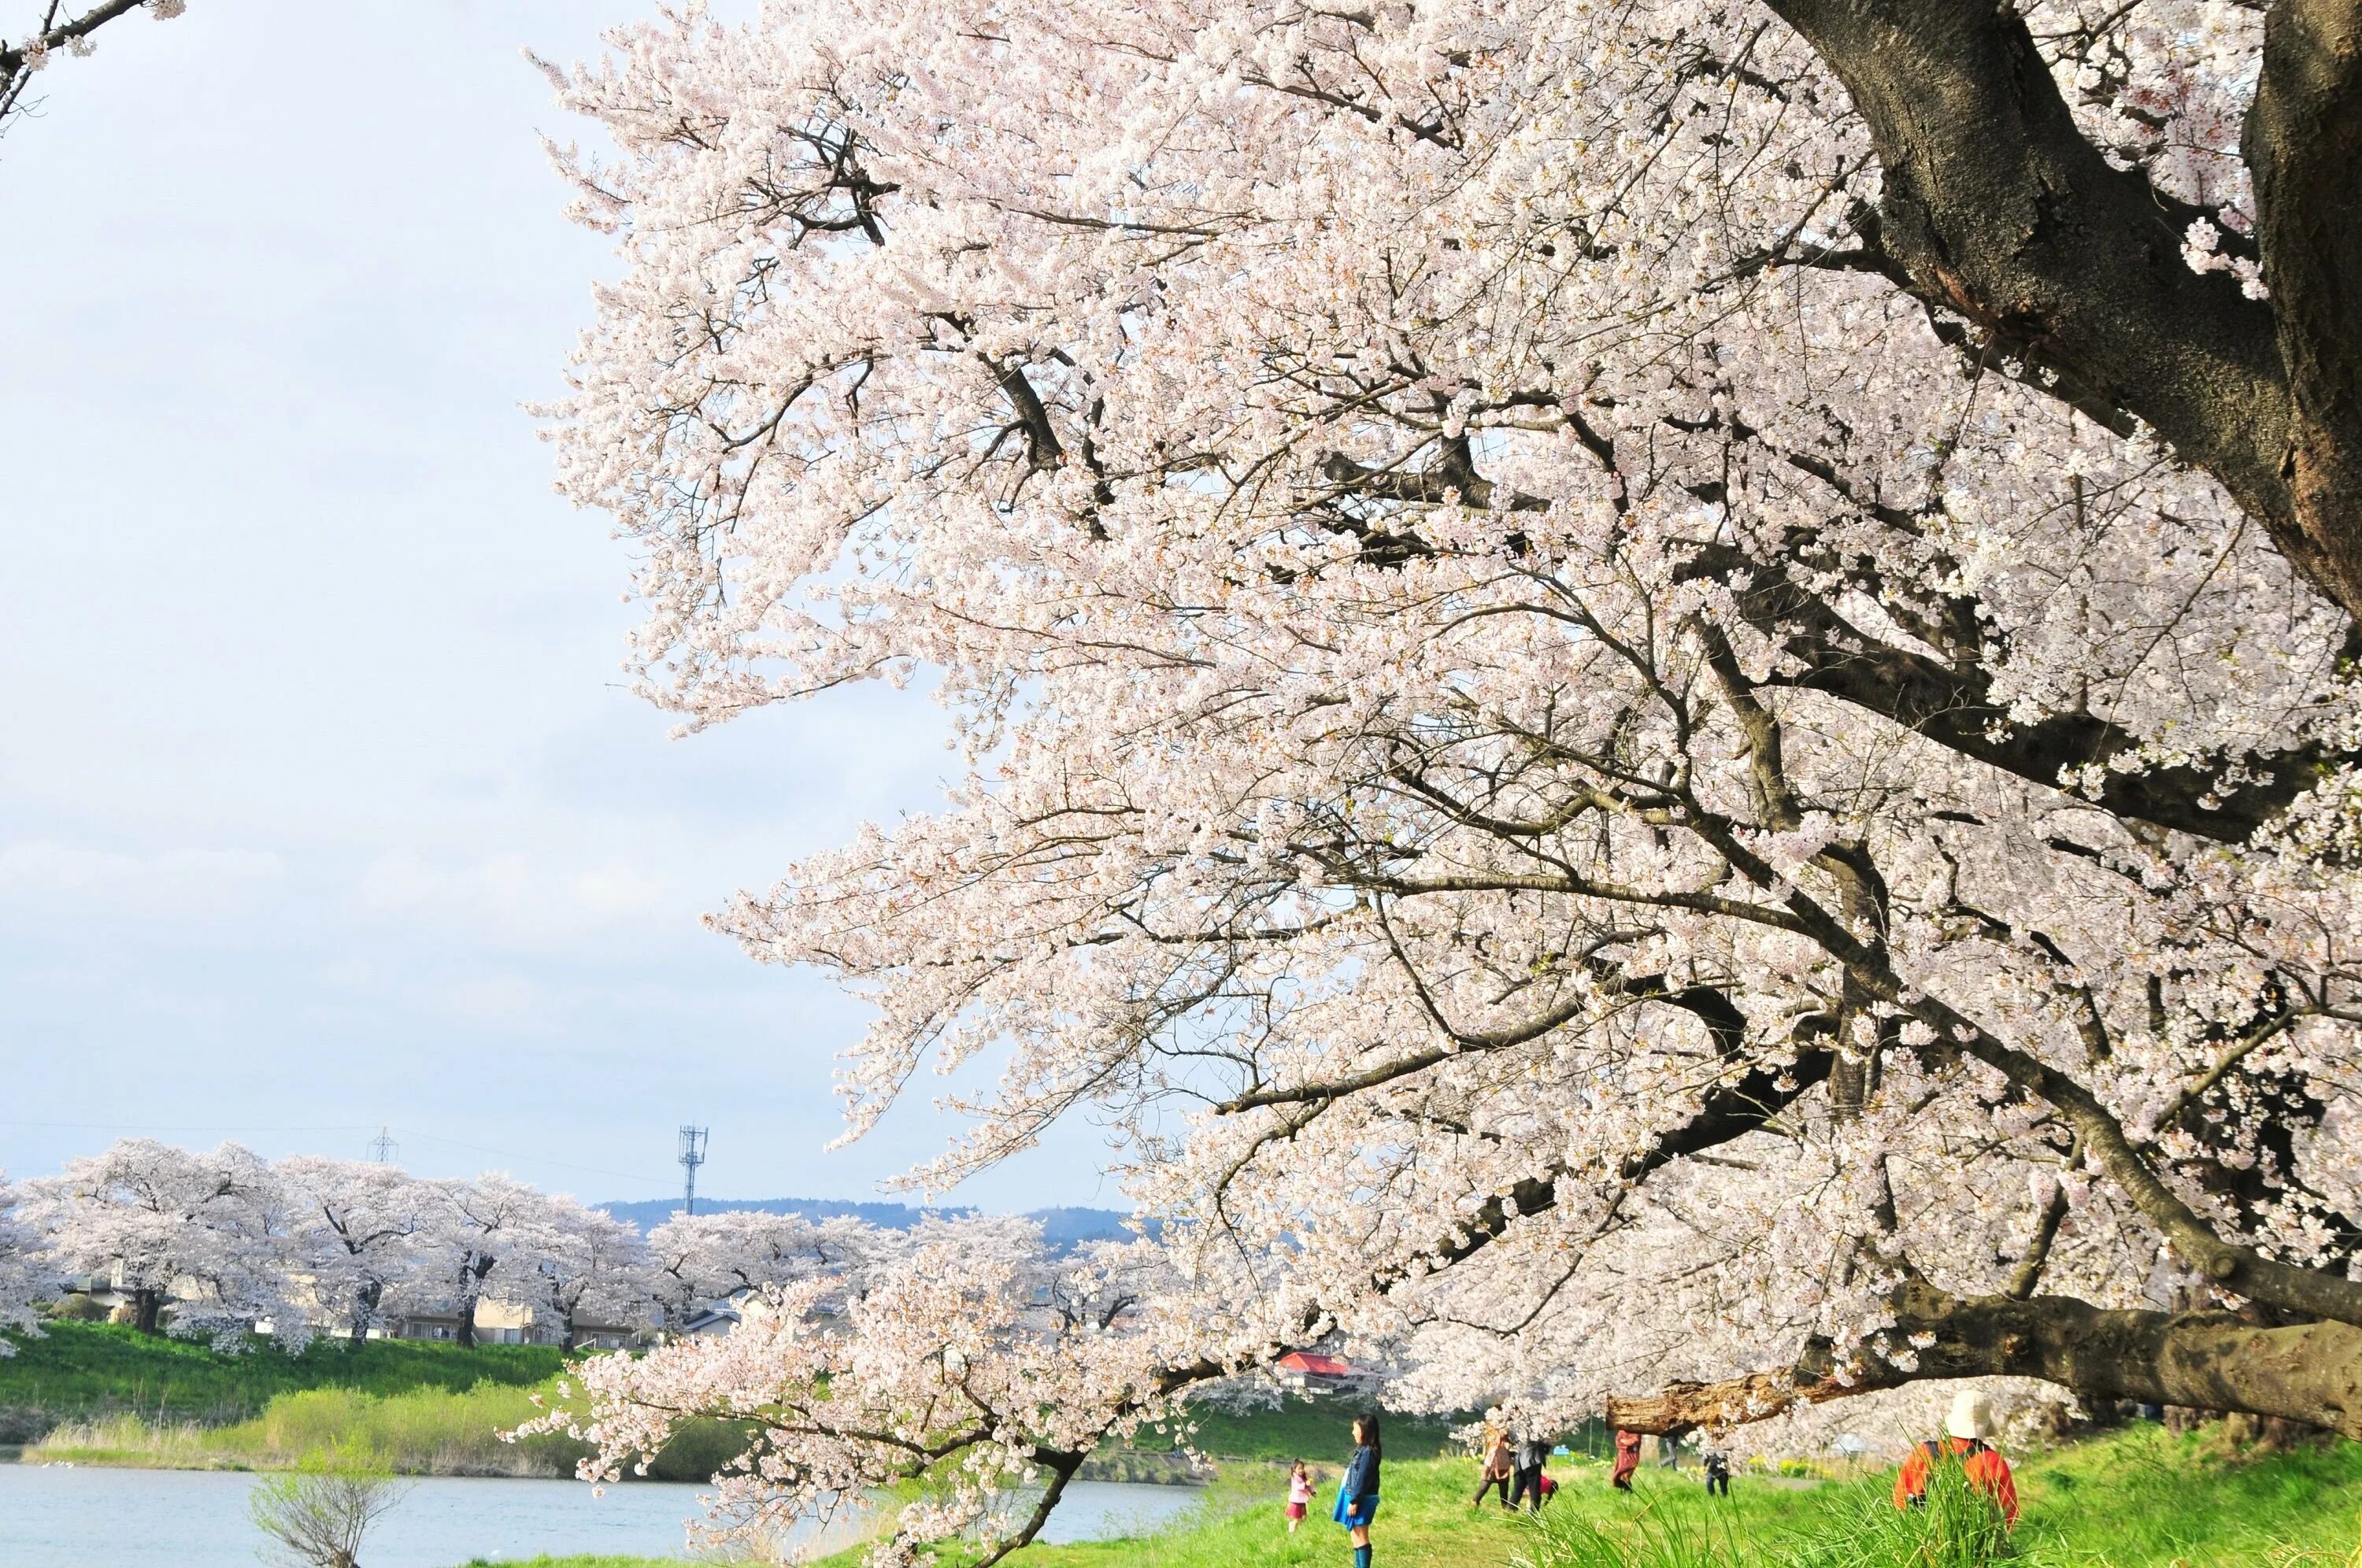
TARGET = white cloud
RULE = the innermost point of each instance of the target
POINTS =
(514, 898)
(48, 875)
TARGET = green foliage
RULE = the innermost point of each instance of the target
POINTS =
(81, 1370)
(2139, 1498)
(1309, 1430)
(419, 1432)
(578, 1562)
(423, 1431)
(319, 1516)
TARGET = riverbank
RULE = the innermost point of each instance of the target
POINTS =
(426, 1431)
(105, 1395)
(88, 1371)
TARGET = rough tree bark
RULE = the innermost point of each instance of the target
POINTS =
(2303, 147)
(1997, 207)
(2310, 1373)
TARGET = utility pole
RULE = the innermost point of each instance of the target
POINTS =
(692, 1155)
(382, 1148)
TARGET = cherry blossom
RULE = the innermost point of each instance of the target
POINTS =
(356, 1232)
(57, 27)
(26, 1271)
(206, 1235)
(1657, 731)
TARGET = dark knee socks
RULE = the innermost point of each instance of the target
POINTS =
(1360, 1557)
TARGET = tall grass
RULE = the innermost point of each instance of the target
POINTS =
(424, 1432)
(1857, 1527)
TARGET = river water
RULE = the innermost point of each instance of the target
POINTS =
(70, 1517)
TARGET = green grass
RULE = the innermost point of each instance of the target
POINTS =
(1301, 1429)
(577, 1562)
(2139, 1498)
(426, 1432)
(102, 1394)
(76, 1371)
(581, 1562)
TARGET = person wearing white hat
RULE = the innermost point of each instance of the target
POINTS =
(1965, 1430)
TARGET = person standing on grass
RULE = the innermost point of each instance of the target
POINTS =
(1357, 1494)
(1627, 1459)
(1495, 1473)
(1532, 1454)
(1299, 1496)
(1718, 1471)
(1963, 1444)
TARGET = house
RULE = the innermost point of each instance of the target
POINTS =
(508, 1323)
(707, 1321)
(1318, 1372)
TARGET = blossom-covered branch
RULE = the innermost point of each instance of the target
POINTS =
(1629, 710)
(61, 29)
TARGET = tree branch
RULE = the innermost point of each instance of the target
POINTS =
(2210, 1361)
(1999, 210)
(1953, 707)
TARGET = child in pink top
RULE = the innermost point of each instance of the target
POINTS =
(1299, 1494)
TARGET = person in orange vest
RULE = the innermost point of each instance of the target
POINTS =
(1964, 1435)
(1627, 1459)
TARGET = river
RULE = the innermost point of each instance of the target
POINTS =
(70, 1517)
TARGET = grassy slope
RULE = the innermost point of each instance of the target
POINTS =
(112, 1396)
(81, 1370)
(423, 1431)
(2134, 1499)
(1302, 1430)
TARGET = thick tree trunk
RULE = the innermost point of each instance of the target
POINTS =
(147, 1307)
(1995, 207)
(2310, 1374)
(365, 1310)
(2303, 147)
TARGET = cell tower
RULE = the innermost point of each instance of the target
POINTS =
(692, 1155)
(382, 1148)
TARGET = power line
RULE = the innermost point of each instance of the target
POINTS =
(383, 1149)
(640, 1177)
(141, 1127)
(158, 1127)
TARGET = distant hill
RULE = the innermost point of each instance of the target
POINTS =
(1060, 1227)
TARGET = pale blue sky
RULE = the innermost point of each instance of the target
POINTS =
(320, 804)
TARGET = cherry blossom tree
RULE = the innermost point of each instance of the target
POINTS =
(59, 28)
(208, 1235)
(27, 1273)
(701, 1258)
(357, 1229)
(475, 1246)
(1659, 700)
(948, 1364)
(581, 1264)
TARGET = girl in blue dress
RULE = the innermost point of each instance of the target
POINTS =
(1357, 1494)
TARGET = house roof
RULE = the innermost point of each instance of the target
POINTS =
(1315, 1365)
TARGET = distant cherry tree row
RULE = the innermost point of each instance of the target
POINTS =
(222, 1244)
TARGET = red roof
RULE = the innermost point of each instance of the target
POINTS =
(1317, 1366)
